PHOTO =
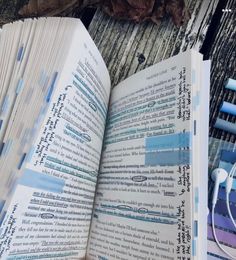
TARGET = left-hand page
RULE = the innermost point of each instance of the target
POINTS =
(47, 187)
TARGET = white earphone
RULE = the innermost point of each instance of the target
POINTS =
(219, 176)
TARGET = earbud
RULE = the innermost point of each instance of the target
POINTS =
(219, 176)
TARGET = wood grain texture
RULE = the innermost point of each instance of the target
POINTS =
(8, 10)
(223, 55)
(128, 47)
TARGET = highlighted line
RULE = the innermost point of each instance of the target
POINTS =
(64, 170)
(91, 92)
(89, 98)
(146, 219)
(69, 165)
(82, 135)
(135, 131)
(145, 110)
(139, 211)
(41, 181)
(171, 141)
(167, 158)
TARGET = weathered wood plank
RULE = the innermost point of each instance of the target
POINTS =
(223, 56)
(9, 10)
(128, 47)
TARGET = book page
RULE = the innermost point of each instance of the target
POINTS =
(48, 211)
(145, 201)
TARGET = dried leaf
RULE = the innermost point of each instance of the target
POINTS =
(140, 4)
(46, 7)
(176, 9)
(136, 10)
(130, 9)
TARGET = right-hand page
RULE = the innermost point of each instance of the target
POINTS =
(148, 188)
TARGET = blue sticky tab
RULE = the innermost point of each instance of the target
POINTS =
(196, 199)
(232, 196)
(225, 125)
(50, 90)
(225, 165)
(194, 247)
(41, 181)
(167, 158)
(231, 84)
(19, 86)
(2, 217)
(2, 203)
(21, 161)
(195, 228)
(228, 108)
(102, 258)
(172, 141)
(1, 148)
(5, 103)
(25, 137)
(196, 100)
(233, 185)
(30, 154)
(6, 147)
(211, 256)
(20, 53)
(194, 127)
(228, 156)
(43, 78)
(193, 76)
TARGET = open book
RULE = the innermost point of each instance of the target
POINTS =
(69, 191)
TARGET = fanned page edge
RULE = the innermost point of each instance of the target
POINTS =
(60, 82)
(203, 182)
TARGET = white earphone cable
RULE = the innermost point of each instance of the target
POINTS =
(214, 234)
(232, 171)
(231, 175)
(229, 210)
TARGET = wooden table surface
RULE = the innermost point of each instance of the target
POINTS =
(128, 47)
